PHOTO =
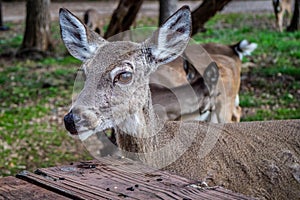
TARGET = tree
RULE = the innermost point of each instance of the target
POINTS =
(127, 10)
(36, 42)
(295, 22)
(166, 9)
(123, 17)
(2, 27)
(200, 15)
(204, 12)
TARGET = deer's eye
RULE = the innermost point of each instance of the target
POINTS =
(123, 78)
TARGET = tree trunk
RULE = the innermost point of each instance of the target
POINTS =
(295, 22)
(123, 17)
(2, 27)
(204, 12)
(36, 40)
(166, 9)
(1, 21)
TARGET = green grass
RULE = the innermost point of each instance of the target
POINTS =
(60, 61)
(31, 134)
(287, 70)
(12, 42)
(34, 96)
(276, 114)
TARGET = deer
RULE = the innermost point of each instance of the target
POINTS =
(260, 159)
(280, 8)
(93, 20)
(228, 60)
(186, 100)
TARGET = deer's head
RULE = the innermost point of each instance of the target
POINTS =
(117, 73)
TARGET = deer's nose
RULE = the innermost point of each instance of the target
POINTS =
(70, 119)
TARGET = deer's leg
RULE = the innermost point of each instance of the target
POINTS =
(236, 114)
(280, 21)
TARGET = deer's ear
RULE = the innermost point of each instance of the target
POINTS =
(79, 40)
(211, 75)
(171, 39)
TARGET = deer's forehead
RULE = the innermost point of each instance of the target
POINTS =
(113, 54)
(117, 51)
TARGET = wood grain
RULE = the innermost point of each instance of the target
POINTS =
(13, 188)
(110, 178)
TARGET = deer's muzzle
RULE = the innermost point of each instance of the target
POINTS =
(70, 124)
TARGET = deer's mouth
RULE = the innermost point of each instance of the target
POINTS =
(84, 133)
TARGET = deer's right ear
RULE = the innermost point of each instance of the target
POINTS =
(79, 40)
(171, 39)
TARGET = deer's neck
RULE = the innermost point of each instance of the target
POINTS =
(134, 125)
(137, 134)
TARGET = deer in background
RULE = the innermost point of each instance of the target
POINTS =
(93, 20)
(188, 101)
(225, 94)
(259, 159)
(228, 59)
(280, 8)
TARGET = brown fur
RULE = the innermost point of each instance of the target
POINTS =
(229, 81)
(260, 159)
(178, 101)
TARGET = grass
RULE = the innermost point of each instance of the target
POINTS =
(31, 134)
(36, 94)
(34, 97)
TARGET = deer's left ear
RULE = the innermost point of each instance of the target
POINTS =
(211, 76)
(171, 39)
(80, 41)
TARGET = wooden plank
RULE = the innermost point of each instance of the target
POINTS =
(111, 178)
(13, 188)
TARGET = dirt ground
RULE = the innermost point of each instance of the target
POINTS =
(16, 11)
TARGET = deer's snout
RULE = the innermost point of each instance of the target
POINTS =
(70, 123)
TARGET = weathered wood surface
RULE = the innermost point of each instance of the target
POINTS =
(119, 179)
(13, 188)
